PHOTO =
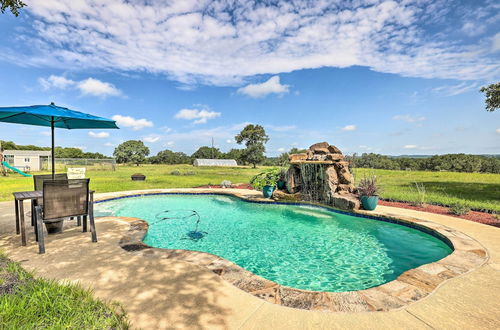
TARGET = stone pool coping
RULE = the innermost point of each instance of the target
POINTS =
(409, 287)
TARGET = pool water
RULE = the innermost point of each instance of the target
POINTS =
(299, 246)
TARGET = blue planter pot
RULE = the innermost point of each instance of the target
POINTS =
(369, 202)
(281, 184)
(267, 191)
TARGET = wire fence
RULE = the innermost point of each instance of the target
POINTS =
(62, 164)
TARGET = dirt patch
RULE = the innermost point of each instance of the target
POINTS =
(481, 217)
(8, 281)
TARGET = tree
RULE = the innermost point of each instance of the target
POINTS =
(254, 154)
(131, 151)
(235, 154)
(60, 152)
(492, 93)
(207, 153)
(254, 137)
(169, 157)
(13, 5)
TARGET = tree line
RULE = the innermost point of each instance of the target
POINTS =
(59, 152)
(254, 138)
(449, 162)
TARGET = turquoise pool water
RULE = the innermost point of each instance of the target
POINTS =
(298, 246)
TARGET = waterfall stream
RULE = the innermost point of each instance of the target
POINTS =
(315, 186)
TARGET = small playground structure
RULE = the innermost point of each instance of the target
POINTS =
(22, 161)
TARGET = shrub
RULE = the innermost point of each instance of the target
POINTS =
(175, 172)
(266, 178)
(189, 173)
(368, 186)
(459, 209)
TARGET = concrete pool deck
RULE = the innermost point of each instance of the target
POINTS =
(168, 293)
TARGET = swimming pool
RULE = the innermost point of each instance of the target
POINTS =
(299, 246)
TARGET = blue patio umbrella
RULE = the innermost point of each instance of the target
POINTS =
(53, 116)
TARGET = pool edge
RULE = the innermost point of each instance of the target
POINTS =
(411, 286)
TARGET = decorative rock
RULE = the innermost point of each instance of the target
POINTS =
(345, 202)
(320, 173)
(340, 165)
(319, 157)
(293, 181)
(319, 145)
(345, 176)
(334, 157)
(321, 151)
(295, 157)
(334, 150)
(332, 178)
(226, 184)
(346, 187)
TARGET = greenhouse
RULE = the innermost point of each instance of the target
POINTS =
(215, 162)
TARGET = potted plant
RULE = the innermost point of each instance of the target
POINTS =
(368, 191)
(266, 181)
(281, 184)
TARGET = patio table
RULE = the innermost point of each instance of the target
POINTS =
(33, 196)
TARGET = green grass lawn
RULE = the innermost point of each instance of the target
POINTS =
(477, 190)
(35, 303)
(157, 176)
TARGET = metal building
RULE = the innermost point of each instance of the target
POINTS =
(215, 162)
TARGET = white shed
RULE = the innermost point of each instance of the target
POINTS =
(27, 160)
(215, 162)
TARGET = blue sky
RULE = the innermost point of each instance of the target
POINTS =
(392, 77)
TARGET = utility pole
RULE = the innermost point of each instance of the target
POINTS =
(212, 147)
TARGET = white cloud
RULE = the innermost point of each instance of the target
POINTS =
(281, 149)
(95, 87)
(230, 141)
(271, 86)
(410, 146)
(473, 29)
(284, 128)
(166, 129)
(409, 118)
(497, 130)
(151, 138)
(200, 116)
(222, 42)
(109, 144)
(99, 135)
(452, 90)
(169, 143)
(45, 133)
(200, 137)
(56, 82)
(89, 86)
(135, 124)
(349, 128)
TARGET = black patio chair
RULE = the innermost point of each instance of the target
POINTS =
(40, 178)
(38, 185)
(63, 199)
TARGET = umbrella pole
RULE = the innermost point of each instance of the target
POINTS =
(52, 154)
